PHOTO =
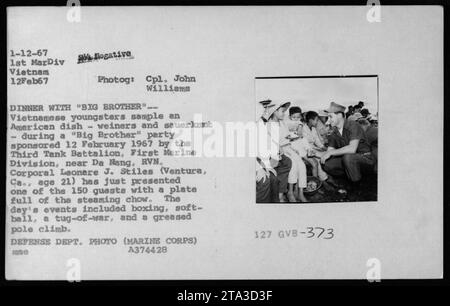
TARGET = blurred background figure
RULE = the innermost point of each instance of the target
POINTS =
(355, 117)
(365, 112)
(371, 132)
(373, 119)
(349, 112)
(357, 108)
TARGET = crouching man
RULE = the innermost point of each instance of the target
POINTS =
(348, 149)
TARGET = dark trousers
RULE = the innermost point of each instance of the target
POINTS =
(283, 168)
(267, 190)
(350, 165)
(375, 156)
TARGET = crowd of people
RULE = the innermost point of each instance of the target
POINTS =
(338, 141)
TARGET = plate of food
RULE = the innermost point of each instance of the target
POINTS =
(292, 136)
(312, 185)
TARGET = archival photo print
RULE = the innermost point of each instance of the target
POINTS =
(326, 139)
(178, 143)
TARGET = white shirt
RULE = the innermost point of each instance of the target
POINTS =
(284, 132)
(268, 149)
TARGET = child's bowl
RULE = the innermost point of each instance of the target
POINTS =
(312, 185)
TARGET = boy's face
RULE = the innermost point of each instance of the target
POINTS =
(296, 117)
(279, 113)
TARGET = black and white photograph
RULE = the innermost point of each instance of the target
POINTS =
(328, 139)
(232, 142)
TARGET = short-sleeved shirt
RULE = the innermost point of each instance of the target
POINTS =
(352, 130)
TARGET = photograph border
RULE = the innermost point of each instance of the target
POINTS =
(300, 204)
(286, 290)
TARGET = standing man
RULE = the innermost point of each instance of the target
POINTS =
(350, 111)
(357, 108)
(355, 117)
(348, 150)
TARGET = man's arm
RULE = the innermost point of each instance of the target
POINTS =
(348, 149)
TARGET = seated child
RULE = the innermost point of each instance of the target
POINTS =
(295, 125)
(294, 148)
(311, 135)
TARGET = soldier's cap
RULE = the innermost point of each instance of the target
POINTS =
(334, 108)
(265, 103)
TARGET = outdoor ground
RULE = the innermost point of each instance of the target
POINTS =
(366, 191)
